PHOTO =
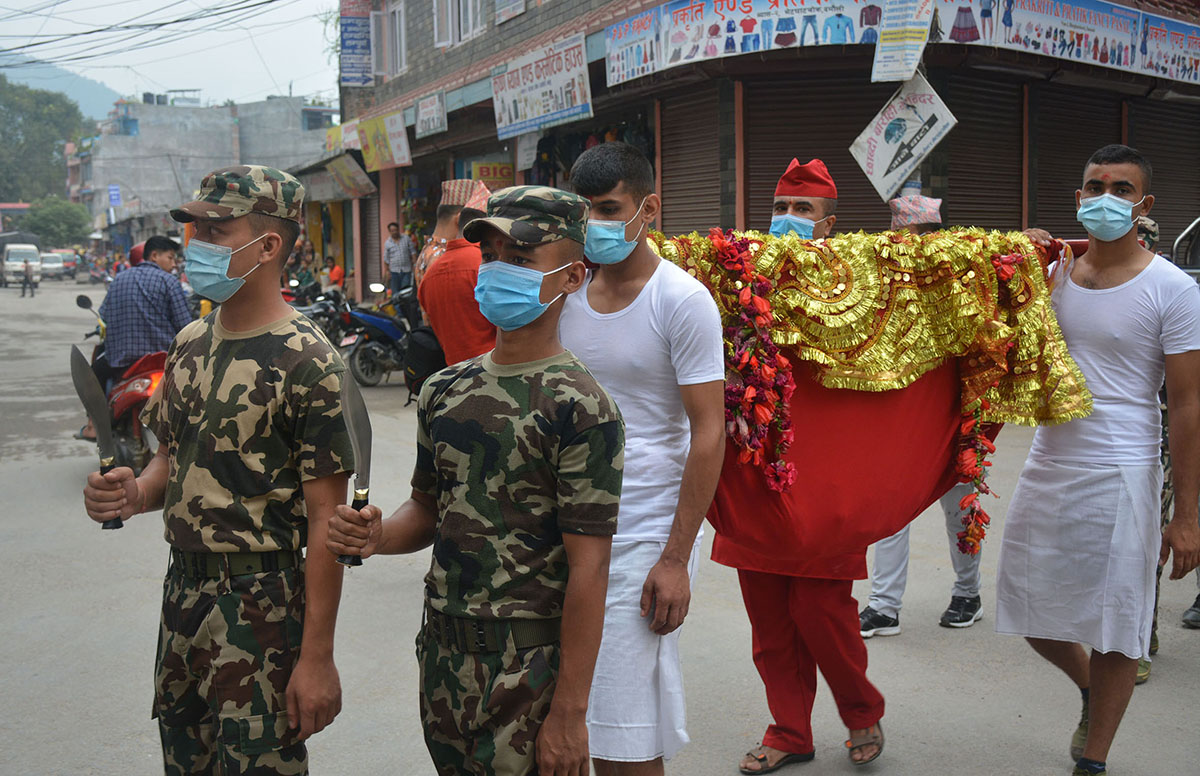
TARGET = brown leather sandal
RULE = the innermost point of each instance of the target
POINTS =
(870, 739)
(761, 759)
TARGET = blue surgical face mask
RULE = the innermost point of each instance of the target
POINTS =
(803, 227)
(208, 269)
(1107, 217)
(606, 243)
(510, 296)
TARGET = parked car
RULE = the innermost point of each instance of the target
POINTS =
(70, 262)
(52, 266)
(15, 255)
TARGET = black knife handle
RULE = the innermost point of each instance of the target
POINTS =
(116, 522)
(360, 501)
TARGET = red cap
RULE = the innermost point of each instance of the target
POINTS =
(806, 180)
(135, 254)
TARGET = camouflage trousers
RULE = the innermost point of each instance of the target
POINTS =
(481, 712)
(226, 648)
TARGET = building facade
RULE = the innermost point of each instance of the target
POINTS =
(725, 92)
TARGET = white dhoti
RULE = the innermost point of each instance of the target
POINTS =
(636, 712)
(1078, 556)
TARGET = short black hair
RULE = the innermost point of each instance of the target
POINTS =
(159, 243)
(601, 168)
(389, 226)
(1116, 153)
(446, 212)
(287, 229)
(468, 214)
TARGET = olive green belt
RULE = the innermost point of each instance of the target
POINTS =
(214, 565)
(467, 634)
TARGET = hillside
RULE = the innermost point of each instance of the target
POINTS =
(94, 98)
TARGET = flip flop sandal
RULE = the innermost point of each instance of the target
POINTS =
(790, 759)
(871, 739)
(79, 435)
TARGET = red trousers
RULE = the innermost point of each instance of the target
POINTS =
(800, 624)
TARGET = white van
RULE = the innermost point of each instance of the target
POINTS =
(14, 262)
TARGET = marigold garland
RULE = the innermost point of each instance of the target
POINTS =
(875, 312)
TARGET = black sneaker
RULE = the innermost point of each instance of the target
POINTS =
(963, 612)
(873, 623)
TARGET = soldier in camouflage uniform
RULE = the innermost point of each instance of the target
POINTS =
(253, 458)
(516, 486)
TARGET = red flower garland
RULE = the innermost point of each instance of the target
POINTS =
(757, 416)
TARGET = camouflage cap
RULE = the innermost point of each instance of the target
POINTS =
(246, 188)
(533, 215)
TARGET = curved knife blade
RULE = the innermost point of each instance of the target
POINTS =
(87, 385)
(358, 424)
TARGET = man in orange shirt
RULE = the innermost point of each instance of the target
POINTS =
(447, 292)
(455, 196)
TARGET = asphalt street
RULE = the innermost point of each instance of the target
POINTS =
(80, 614)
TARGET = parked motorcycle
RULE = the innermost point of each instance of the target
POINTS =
(330, 311)
(127, 396)
(382, 340)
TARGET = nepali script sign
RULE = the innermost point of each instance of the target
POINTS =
(892, 146)
(633, 48)
(355, 57)
(902, 37)
(541, 89)
(431, 114)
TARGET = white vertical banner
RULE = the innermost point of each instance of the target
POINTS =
(903, 33)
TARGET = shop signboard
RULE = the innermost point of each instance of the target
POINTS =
(494, 175)
(903, 32)
(333, 139)
(508, 9)
(527, 149)
(114, 195)
(431, 114)
(355, 40)
(350, 177)
(1168, 48)
(633, 47)
(910, 125)
(546, 87)
(350, 137)
(384, 142)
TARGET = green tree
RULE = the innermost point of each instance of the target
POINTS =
(34, 126)
(58, 222)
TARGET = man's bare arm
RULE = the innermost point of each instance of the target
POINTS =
(1182, 535)
(119, 494)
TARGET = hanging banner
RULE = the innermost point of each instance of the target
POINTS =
(508, 9)
(903, 33)
(494, 175)
(350, 137)
(333, 139)
(431, 114)
(527, 149)
(546, 87)
(355, 39)
(1169, 48)
(350, 177)
(633, 48)
(910, 125)
(384, 142)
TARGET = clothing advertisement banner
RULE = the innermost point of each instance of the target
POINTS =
(350, 177)
(546, 87)
(384, 142)
(633, 48)
(910, 125)
(431, 114)
(1169, 48)
(508, 9)
(902, 37)
(494, 175)
(355, 38)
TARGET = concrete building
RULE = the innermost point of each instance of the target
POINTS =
(148, 157)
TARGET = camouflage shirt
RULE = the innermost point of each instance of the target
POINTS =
(247, 417)
(516, 455)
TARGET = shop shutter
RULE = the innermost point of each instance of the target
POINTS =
(984, 171)
(1071, 123)
(372, 259)
(691, 162)
(1168, 136)
(812, 118)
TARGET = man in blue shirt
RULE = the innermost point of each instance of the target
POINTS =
(144, 309)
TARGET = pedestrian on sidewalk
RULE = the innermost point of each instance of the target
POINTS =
(1083, 534)
(803, 615)
(253, 456)
(651, 334)
(516, 486)
(889, 576)
(27, 279)
(398, 252)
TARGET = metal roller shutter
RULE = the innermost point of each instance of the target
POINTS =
(817, 118)
(1071, 123)
(984, 153)
(372, 258)
(691, 162)
(1169, 136)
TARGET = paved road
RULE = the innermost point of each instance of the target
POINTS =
(79, 616)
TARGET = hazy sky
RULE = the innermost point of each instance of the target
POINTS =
(229, 49)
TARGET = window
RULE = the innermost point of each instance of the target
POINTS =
(397, 44)
(378, 38)
(456, 21)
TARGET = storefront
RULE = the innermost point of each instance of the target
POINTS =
(336, 190)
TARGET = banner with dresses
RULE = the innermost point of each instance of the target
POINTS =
(1093, 31)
